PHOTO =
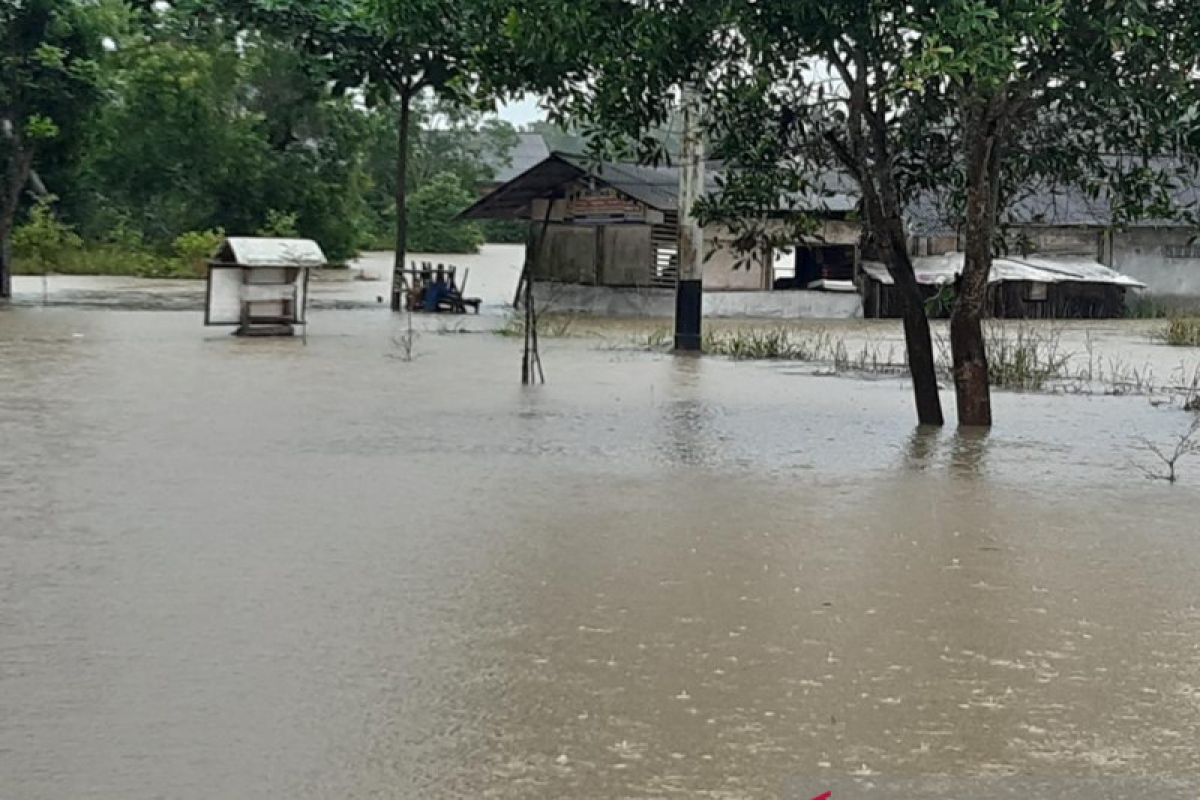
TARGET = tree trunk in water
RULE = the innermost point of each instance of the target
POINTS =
(918, 341)
(16, 176)
(983, 132)
(401, 203)
(869, 157)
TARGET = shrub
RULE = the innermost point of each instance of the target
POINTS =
(505, 231)
(1180, 332)
(432, 223)
(1025, 359)
(45, 240)
(280, 224)
(195, 248)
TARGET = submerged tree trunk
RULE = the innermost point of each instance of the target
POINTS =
(868, 157)
(401, 202)
(16, 176)
(886, 220)
(983, 141)
(918, 340)
(922, 365)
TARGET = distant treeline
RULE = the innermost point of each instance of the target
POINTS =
(184, 128)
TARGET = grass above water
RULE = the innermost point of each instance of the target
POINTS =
(108, 260)
(1022, 356)
(1180, 332)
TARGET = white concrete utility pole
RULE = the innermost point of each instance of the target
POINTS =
(689, 290)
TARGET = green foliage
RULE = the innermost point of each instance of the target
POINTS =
(49, 61)
(46, 244)
(431, 218)
(241, 115)
(1025, 359)
(445, 138)
(504, 231)
(195, 248)
(44, 240)
(279, 224)
(1180, 332)
(941, 303)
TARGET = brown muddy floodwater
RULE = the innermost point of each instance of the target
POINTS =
(259, 569)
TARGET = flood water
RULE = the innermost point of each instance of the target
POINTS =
(266, 569)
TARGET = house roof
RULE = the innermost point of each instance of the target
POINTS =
(257, 251)
(656, 187)
(931, 214)
(528, 152)
(1067, 205)
(938, 270)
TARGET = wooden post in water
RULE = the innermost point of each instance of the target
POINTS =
(689, 288)
(531, 360)
(5, 270)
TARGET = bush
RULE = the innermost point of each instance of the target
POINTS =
(195, 248)
(432, 223)
(1143, 306)
(505, 231)
(1180, 332)
(44, 241)
(280, 224)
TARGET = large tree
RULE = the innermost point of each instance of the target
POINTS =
(1090, 91)
(205, 128)
(966, 98)
(390, 53)
(48, 78)
(778, 113)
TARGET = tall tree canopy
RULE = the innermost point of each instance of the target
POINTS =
(151, 121)
(389, 52)
(966, 98)
(48, 84)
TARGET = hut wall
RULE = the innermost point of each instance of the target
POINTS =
(1013, 300)
(1167, 260)
(626, 255)
(1057, 240)
(1068, 300)
(726, 269)
(569, 254)
(883, 301)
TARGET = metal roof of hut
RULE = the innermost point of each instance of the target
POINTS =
(654, 187)
(260, 251)
(937, 270)
(529, 151)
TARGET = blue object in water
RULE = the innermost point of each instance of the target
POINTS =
(434, 294)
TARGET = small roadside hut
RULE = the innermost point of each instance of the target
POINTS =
(1019, 287)
(260, 285)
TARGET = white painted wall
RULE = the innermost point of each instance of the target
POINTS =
(608, 301)
(1141, 253)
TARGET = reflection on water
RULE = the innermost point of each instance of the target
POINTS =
(968, 451)
(689, 437)
(922, 446)
(233, 570)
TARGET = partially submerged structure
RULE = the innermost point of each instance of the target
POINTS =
(260, 285)
(1023, 287)
(611, 245)
(611, 239)
(1065, 223)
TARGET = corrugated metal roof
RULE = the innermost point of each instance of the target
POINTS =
(258, 251)
(512, 200)
(1067, 205)
(656, 187)
(529, 151)
(938, 270)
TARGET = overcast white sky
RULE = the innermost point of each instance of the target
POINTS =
(521, 112)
